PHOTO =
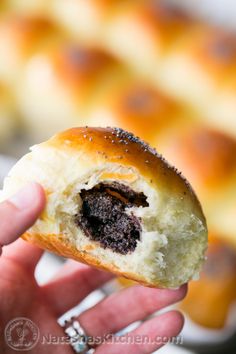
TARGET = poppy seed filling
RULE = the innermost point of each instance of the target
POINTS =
(103, 216)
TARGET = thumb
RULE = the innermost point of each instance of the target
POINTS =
(20, 212)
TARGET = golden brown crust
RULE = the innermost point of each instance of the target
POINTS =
(100, 146)
(166, 22)
(161, 22)
(212, 51)
(56, 244)
(26, 6)
(209, 299)
(205, 156)
(25, 33)
(79, 67)
(141, 109)
(115, 145)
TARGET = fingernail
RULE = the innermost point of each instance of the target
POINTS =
(26, 197)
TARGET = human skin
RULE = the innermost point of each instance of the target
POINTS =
(21, 296)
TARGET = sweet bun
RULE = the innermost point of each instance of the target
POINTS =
(190, 61)
(114, 203)
(222, 110)
(21, 37)
(156, 24)
(88, 20)
(60, 87)
(208, 159)
(208, 56)
(209, 299)
(117, 25)
(83, 20)
(30, 7)
(138, 107)
(8, 120)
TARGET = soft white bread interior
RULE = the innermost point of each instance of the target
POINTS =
(171, 236)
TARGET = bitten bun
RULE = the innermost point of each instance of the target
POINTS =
(114, 203)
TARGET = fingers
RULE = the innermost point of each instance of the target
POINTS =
(16, 215)
(74, 282)
(148, 337)
(20, 212)
(126, 307)
(24, 253)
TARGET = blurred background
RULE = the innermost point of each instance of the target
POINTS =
(165, 70)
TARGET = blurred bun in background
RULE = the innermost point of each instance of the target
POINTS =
(37, 7)
(59, 88)
(20, 38)
(8, 119)
(148, 67)
(145, 34)
(91, 20)
(199, 71)
(140, 108)
(210, 298)
(208, 159)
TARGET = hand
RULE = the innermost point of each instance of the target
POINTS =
(21, 296)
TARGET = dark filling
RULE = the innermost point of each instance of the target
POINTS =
(103, 217)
